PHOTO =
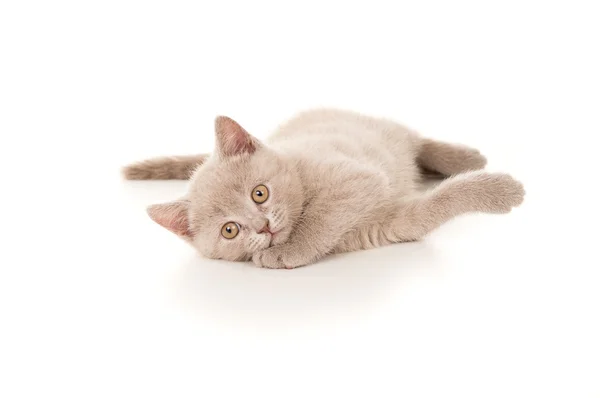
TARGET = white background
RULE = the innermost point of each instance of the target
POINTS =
(96, 300)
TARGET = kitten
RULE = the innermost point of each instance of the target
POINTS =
(327, 181)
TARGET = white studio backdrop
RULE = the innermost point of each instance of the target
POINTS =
(95, 300)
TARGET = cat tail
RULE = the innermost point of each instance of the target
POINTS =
(164, 168)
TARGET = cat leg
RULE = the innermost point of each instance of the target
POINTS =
(448, 159)
(469, 192)
(164, 168)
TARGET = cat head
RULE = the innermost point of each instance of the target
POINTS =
(244, 198)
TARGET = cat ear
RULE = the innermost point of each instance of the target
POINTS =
(173, 216)
(232, 139)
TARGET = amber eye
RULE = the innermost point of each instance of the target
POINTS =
(260, 194)
(230, 230)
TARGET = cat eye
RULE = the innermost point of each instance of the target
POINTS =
(260, 194)
(230, 230)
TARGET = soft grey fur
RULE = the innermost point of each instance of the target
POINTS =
(338, 181)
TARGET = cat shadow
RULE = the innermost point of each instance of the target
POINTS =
(335, 290)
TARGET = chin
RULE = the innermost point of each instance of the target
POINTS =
(282, 236)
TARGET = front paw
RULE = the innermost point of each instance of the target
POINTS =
(283, 256)
(497, 192)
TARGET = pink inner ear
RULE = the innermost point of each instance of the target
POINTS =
(232, 139)
(173, 216)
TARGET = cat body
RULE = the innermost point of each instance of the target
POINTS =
(326, 181)
(373, 159)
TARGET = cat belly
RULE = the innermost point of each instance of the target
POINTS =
(363, 238)
(363, 142)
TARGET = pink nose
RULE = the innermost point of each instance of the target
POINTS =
(265, 228)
